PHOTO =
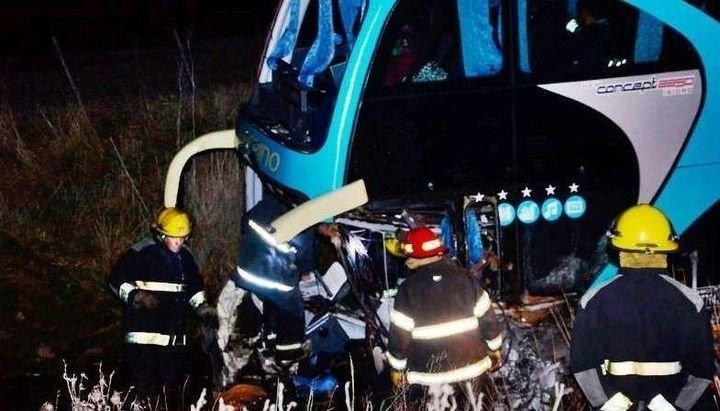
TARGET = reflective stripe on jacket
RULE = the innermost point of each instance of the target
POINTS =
(173, 279)
(441, 326)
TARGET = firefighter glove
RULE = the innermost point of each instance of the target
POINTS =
(209, 316)
(617, 402)
(143, 299)
(659, 403)
(398, 378)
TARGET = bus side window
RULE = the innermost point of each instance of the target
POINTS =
(420, 44)
(543, 40)
(566, 37)
(602, 39)
(561, 40)
(431, 41)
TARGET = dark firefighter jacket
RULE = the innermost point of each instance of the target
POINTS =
(442, 326)
(173, 279)
(267, 270)
(642, 334)
(272, 272)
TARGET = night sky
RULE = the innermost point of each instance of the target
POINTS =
(87, 24)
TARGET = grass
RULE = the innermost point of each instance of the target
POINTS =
(81, 181)
(89, 177)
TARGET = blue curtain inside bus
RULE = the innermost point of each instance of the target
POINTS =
(523, 36)
(285, 44)
(349, 11)
(322, 50)
(481, 56)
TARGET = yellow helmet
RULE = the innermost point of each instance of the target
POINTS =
(643, 228)
(173, 222)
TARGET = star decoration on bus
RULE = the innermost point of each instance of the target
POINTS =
(526, 192)
(550, 190)
(573, 188)
(502, 195)
(478, 197)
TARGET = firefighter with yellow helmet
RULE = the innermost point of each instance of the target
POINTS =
(159, 284)
(443, 329)
(642, 340)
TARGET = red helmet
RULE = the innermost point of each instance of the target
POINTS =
(422, 242)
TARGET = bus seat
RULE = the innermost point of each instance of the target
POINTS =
(648, 39)
(481, 56)
(322, 50)
(287, 40)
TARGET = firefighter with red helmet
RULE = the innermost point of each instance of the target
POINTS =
(160, 285)
(443, 329)
(642, 339)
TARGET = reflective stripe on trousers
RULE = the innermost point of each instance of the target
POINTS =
(459, 374)
(160, 286)
(139, 337)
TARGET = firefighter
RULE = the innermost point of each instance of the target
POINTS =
(443, 329)
(277, 247)
(641, 339)
(271, 272)
(159, 284)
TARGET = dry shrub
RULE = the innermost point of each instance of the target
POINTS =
(82, 181)
(82, 178)
(215, 188)
(14, 149)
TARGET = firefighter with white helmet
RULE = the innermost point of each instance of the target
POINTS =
(443, 329)
(159, 284)
(642, 339)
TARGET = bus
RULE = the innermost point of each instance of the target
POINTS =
(516, 128)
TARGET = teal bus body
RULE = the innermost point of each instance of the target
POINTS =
(689, 189)
(694, 184)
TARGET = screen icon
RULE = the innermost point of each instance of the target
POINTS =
(575, 206)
